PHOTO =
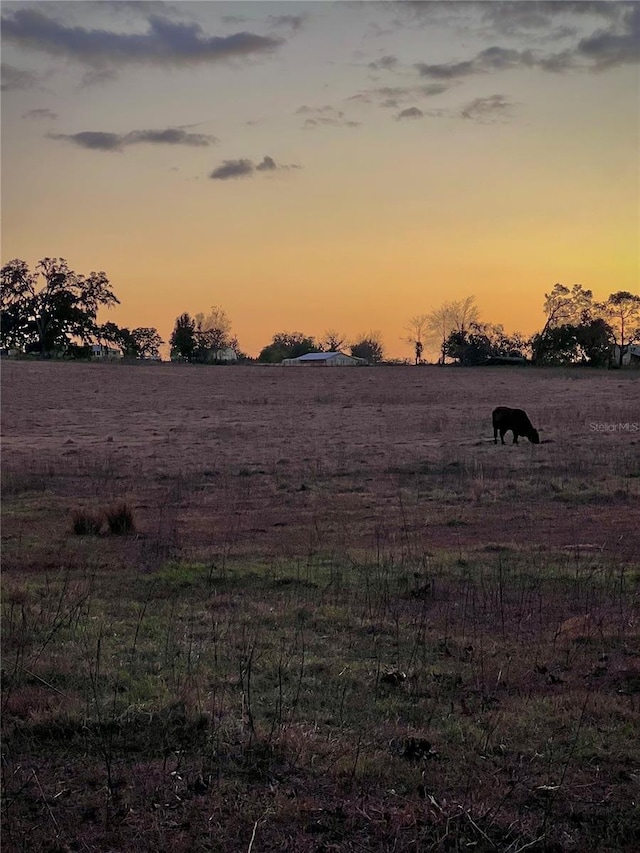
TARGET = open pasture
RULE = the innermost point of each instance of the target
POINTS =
(343, 620)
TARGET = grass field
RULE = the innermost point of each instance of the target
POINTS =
(272, 609)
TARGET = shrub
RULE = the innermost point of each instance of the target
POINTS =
(120, 518)
(86, 522)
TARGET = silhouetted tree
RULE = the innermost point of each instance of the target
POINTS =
(595, 340)
(622, 309)
(368, 346)
(576, 343)
(143, 342)
(417, 327)
(563, 306)
(483, 341)
(46, 316)
(287, 345)
(183, 338)
(469, 347)
(456, 316)
(213, 332)
(333, 341)
(147, 342)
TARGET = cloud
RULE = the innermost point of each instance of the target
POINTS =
(385, 63)
(513, 17)
(618, 45)
(170, 136)
(94, 140)
(246, 168)
(489, 109)
(449, 71)
(268, 164)
(294, 22)
(41, 113)
(98, 76)
(491, 59)
(233, 169)
(165, 42)
(14, 78)
(411, 112)
(327, 115)
(101, 141)
(393, 96)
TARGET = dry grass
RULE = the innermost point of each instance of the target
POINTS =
(120, 518)
(347, 622)
(86, 522)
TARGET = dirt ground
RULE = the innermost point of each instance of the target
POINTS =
(282, 461)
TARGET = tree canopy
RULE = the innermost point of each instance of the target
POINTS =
(287, 345)
(46, 309)
(622, 309)
(368, 346)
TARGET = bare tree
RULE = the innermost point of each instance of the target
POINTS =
(212, 332)
(622, 310)
(417, 328)
(454, 316)
(333, 341)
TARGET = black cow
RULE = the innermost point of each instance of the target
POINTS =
(516, 420)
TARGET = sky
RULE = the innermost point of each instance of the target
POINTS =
(315, 165)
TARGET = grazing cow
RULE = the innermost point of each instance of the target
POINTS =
(516, 420)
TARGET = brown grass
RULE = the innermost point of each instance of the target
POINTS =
(347, 621)
(120, 518)
(86, 522)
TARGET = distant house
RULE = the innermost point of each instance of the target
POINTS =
(326, 359)
(630, 355)
(103, 352)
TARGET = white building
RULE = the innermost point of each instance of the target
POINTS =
(326, 359)
(102, 351)
(228, 354)
(630, 355)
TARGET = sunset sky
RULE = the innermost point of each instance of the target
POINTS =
(315, 165)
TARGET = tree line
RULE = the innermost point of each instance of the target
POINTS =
(53, 310)
(577, 330)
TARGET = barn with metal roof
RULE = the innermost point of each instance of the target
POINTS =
(326, 359)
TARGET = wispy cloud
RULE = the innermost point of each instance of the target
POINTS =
(244, 168)
(41, 113)
(102, 141)
(515, 18)
(617, 45)
(98, 77)
(393, 96)
(491, 59)
(488, 110)
(410, 113)
(327, 115)
(15, 78)
(613, 45)
(165, 42)
(293, 22)
(385, 63)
